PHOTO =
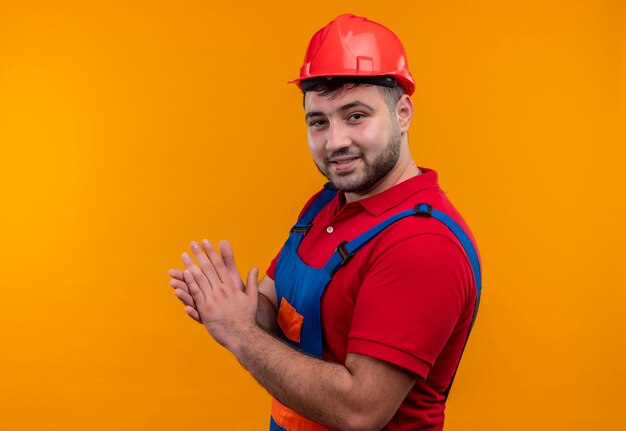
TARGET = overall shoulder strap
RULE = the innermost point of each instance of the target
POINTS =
(427, 211)
(304, 222)
(346, 250)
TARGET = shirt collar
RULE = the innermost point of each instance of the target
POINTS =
(394, 196)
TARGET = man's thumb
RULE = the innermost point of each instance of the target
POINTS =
(253, 283)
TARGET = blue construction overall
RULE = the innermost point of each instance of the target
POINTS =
(299, 290)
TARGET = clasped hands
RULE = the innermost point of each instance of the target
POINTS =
(214, 294)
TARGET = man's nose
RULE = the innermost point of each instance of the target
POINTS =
(337, 137)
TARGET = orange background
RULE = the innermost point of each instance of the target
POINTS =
(127, 129)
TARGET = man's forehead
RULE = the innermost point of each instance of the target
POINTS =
(369, 95)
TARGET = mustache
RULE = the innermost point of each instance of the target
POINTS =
(343, 152)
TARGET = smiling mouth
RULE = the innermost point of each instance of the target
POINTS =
(344, 161)
(343, 166)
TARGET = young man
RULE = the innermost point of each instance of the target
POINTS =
(362, 317)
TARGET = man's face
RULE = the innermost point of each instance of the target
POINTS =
(354, 138)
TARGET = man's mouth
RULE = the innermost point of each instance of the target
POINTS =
(343, 164)
(343, 160)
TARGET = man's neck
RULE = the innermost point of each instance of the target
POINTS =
(400, 173)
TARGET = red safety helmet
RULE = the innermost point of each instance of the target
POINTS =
(355, 47)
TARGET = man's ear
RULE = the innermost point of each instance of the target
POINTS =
(404, 112)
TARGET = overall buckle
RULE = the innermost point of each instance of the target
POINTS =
(301, 229)
(344, 253)
(423, 210)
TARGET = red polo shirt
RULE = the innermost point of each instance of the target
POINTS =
(407, 297)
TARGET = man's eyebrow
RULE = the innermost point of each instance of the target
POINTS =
(346, 107)
(313, 114)
(356, 104)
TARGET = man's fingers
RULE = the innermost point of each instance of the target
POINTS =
(179, 284)
(196, 293)
(204, 283)
(185, 297)
(193, 313)
(205, 263)
(252, 287)
(218, 263)
(188, 301)
(226, 251)
(176, 273)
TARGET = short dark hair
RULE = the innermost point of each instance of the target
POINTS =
(333, 89)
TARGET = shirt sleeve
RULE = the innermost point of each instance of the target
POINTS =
(271, 270)
(411, 300)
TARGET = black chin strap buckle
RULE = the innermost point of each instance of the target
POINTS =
(344, 253)
(423, 210)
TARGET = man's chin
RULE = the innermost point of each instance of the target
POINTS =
(347, 185)
(346, 182)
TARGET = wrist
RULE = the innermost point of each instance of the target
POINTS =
(232, 335)
(243, 335)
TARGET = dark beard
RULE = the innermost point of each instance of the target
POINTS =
(374, 172)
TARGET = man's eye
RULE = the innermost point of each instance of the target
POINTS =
(316, 123)
(356, 116)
